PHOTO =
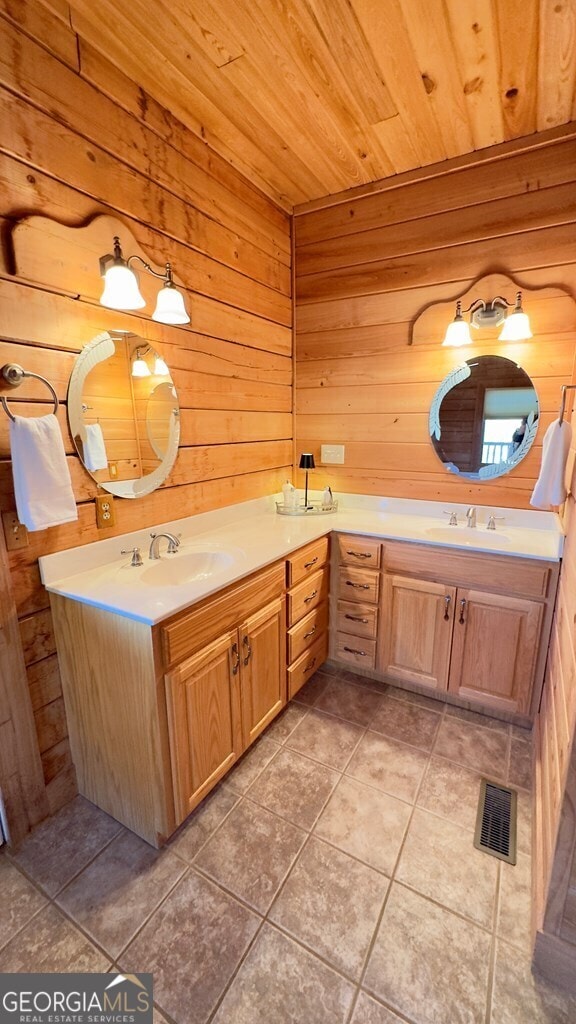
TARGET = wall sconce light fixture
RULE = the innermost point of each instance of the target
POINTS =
(306, 463)
(140, 367)
(516, 327)
(121, 289)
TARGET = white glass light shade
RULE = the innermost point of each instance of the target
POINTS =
(140, 368)
(160, 368)
(516, 328)
(457, 333)
(170, 308)
(121, 289)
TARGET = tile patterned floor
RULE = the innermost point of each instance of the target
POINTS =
(330, 879)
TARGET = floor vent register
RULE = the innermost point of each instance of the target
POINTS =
(496, 821)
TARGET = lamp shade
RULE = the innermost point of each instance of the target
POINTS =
(307, 461)
(170, 308)
(121, 289)
(516, 327)
(140, 367)
(458, 333)
(160, 368)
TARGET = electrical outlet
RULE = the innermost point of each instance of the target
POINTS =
(332, 454)
(15, 533)
(104, 511)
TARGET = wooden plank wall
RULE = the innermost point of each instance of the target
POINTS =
(78, 139)
(554, 847)
(368, 263)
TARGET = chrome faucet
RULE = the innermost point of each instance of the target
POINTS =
(471, 516)
(173, 544)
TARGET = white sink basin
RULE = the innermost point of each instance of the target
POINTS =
(185, 567)
(474, 538)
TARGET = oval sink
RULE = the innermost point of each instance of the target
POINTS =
(475, 538)
(185, 567)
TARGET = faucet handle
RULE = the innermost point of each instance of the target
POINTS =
(136, 556)
(453, 521)
(491, 525)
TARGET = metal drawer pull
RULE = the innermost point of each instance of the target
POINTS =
(312, 562)
(360, 554)
(352, 650)
(356, 618)
(236, 665)
(447, 600)
(310, 665)
(246, 643)
(462, 607)
(310, 632)
(311, 597)
(358, 586)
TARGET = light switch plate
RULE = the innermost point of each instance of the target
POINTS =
(104, 511)
(332, 454)
(15, 532)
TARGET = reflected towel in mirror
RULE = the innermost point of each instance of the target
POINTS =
(94, 449)
(42, 484)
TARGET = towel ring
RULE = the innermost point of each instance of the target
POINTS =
(565, 388)
(13, 375)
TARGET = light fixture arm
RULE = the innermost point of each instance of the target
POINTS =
(166, 276)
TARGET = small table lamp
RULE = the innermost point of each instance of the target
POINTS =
(306, 463)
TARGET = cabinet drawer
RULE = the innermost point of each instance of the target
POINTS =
(359, 619)
(307, 561)
(358, 585)
(307, 595)
(307, 664)
(354, 550)
(355, 650)
(307, 631)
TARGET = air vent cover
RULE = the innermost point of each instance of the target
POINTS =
(496, 821)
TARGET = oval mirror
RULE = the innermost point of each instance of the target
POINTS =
(123, 414)
(484, 418)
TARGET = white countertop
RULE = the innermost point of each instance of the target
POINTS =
(249, 536)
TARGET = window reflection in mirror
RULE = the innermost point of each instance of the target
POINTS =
(484, 417)
(125, 426)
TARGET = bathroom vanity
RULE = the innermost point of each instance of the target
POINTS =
(171, 672)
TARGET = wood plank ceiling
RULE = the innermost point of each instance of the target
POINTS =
(311, 97)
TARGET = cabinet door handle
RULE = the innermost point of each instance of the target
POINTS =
(310, 665)
(447, 600)
(310, 597)
(462, 607)
(353, 650)
(358, 586)
(360, 554)
(234, 652)
(246, 643)
(311, 562)
(310, 632)
(356, 618)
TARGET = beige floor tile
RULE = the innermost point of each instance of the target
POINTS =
(439, 860)
(417, 698)
(429, 964)
(281, 983)
(294, 787)
(483, 750)
(19, 900)
(366, 823)
(521, 997)
(520, 769)
(368, 1011)
(324, 738)
(251, 853)
(476, 718)
(348, 700)
(254, 761)
(192, 945)
(451, 791)
(389, 765)
(515, 904)
(203, 822)
(50, 944)
(62, 845)
(283, 726)
(113, 897)
(331, 903)
(407, 722)
(313, 689)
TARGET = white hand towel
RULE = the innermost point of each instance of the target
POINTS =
(95, 456)
(42, 484)
(550, 488)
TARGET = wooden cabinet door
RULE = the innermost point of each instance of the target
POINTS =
(203, 697)
(415, 632)
(494, 649)
(263, 668)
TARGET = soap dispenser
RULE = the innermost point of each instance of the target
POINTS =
(327, 499)
(289, 495)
